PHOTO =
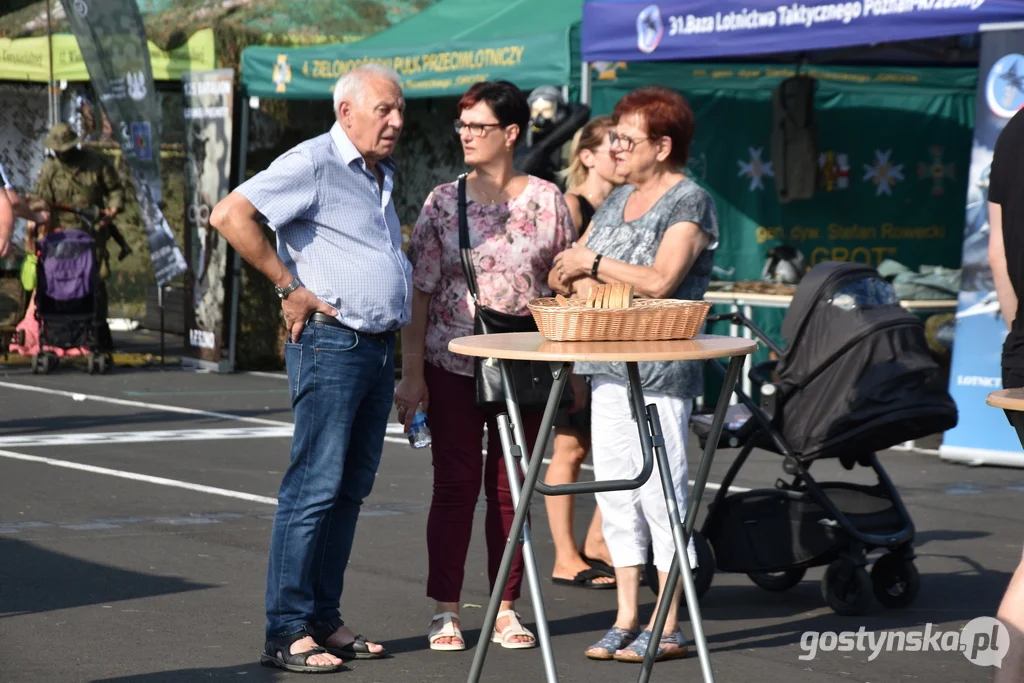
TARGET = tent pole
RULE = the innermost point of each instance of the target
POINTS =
(585, 83)
(236, 260)
(52, 113)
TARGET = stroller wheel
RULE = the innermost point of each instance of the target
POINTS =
(702, 576)
(91, 363)
(35, 364)
(846, 588)
(778, 581)
(896, 581)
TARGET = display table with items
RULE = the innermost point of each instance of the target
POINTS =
(608, 327)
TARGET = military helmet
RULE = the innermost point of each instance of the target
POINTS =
(61, 138)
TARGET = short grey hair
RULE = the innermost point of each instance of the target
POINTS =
(349, 86)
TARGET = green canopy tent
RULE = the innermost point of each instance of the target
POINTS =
(439, 52)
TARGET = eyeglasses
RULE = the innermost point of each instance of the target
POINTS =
(624, 141)
(478, 130)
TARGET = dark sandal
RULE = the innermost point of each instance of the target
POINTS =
(599, 565)
(276, 652)
(357, 649)
(587, 579)
(323, 633)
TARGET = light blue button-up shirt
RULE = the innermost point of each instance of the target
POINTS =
(337, 230)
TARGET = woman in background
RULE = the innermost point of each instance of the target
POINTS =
(590, 178)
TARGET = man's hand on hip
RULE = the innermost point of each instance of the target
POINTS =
(297, 308)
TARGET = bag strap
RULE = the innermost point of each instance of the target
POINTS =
(464, 248)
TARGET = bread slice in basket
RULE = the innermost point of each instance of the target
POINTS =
(615, 296)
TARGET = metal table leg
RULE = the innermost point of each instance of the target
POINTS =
(519, 525)
(680, 533)
(512, 447)
(652, 446)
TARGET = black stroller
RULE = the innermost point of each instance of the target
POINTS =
(66, 307)
(856, 378)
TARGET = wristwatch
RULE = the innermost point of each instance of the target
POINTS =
(283, 292)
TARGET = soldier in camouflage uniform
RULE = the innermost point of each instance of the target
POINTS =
(84, 178)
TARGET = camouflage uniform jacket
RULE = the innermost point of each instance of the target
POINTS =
(89, 179)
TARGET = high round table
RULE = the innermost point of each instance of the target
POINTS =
(531, 346)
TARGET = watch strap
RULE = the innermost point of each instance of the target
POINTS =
(283, 292)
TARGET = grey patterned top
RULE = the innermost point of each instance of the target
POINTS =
(636, 242)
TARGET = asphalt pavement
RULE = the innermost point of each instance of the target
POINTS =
(135, 513)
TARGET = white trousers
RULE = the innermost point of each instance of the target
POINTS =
(632, 520)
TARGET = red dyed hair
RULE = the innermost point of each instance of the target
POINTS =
(666, 113)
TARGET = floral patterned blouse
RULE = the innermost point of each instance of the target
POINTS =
(514, 246)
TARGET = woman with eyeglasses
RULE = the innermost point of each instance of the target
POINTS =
(517, 224)
(590, 178)
(657, 233)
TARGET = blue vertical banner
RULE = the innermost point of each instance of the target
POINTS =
(984, 436)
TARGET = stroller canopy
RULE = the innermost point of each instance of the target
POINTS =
(857, 375)
(66, 259)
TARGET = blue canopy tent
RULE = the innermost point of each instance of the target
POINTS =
(631, 31)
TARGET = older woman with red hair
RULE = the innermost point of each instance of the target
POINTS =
(657, 232)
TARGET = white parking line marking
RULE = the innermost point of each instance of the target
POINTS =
(394, 429)
(97, 438)
(142, 404)
(134, 476)
(174, 483)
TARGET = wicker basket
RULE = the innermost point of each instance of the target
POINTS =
(645, 320)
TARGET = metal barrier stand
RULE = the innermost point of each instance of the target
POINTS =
(517, 461)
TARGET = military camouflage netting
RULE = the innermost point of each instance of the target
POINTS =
(236, 23)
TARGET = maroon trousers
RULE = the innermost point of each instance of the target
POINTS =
(456, 428)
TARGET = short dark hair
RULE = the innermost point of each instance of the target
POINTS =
(666, 113)
(506, 100)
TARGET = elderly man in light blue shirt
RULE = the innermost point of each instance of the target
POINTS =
(345, 288)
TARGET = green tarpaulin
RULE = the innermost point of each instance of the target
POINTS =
(894, 150)
(895, 146)
(439, 52)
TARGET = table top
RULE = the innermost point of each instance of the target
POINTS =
(1007, 399)
(783, 300)
(532, 346)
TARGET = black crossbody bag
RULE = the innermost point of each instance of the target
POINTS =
(532, 380)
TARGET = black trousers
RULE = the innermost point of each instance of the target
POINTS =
(1013, 378)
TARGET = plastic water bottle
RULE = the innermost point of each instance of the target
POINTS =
(419, 433)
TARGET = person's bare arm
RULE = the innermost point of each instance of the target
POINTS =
(573, 202)
(239, 222)
(412, 390)
(997, 261)
(562, 283)
(679, 249)
(1011, 614)
(6, 224)
(22, 209)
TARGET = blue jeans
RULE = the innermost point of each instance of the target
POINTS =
(342, 387)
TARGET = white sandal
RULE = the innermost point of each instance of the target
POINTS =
(447, 629)
(513, 629)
